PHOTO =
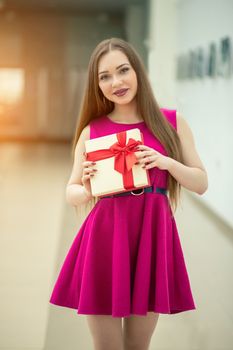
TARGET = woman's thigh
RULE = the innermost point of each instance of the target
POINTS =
(138, 330)
(106, 332)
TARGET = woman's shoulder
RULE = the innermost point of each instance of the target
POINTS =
(98, 126)
(171, 115)
(93, 123)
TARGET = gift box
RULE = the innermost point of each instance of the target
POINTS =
(115, 157)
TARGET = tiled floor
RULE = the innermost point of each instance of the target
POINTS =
(37, 227)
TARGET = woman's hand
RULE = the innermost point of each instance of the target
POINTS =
(151, 158)
(88, 171)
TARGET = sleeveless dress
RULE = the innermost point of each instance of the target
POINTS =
(127, 257)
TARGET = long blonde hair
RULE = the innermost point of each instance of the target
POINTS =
(94, 104)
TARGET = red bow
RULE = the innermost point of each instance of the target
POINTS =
(124, 157)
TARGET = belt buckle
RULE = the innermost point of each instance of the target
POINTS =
(137, 194)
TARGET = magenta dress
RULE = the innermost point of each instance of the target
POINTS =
(127, 257)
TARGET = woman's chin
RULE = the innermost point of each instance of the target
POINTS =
(123, 101)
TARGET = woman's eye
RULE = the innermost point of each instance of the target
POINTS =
(103, 77)
(124, 69)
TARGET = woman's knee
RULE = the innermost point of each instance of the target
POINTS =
(106, 332)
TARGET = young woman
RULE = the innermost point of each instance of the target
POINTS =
(126, 262)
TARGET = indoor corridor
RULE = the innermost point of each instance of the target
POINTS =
(50, 87)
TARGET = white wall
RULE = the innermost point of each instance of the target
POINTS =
(176, 27)
(161, 46)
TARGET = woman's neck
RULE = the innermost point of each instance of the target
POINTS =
(125, 113)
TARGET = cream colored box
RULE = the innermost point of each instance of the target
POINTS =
(107, 180)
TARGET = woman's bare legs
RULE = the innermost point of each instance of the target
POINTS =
(106, 332)
(138, 330)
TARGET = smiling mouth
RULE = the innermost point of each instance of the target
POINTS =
(121, 92)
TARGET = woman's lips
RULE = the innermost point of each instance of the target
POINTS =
(121, 92)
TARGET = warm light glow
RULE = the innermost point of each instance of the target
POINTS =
(11, 85)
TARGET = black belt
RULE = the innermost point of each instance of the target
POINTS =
(139, 191)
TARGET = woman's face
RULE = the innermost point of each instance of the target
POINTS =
(115, 73)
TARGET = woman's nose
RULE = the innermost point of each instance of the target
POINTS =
(115, 81)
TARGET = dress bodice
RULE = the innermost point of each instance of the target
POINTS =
(103, 126)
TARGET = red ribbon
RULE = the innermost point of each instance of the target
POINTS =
(124, 157)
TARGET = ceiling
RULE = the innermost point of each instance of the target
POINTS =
(69, 5)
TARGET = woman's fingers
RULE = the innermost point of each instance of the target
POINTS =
(146, 156)
(88, 170)
(88, 163)
(148, 160)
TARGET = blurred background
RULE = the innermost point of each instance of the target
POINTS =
(45, 46)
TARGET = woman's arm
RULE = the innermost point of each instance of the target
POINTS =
(192, 174)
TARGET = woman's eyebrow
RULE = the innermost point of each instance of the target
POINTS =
(105, 71)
